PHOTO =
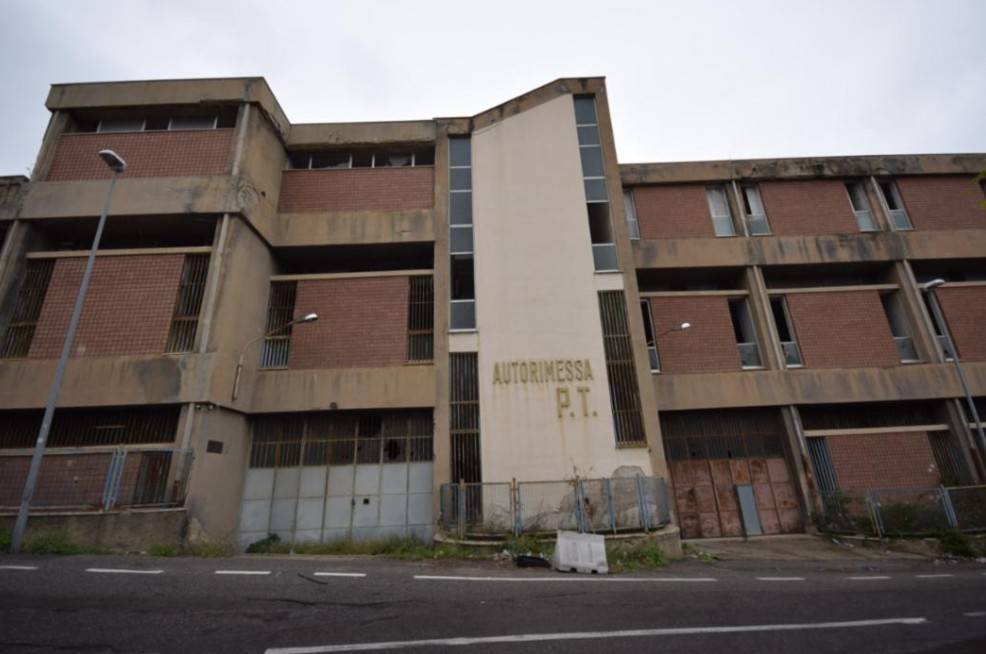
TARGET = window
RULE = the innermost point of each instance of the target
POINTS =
(27, 308)
(860, 206)
(785, 332)
(633, 227)
(420, 319)
(722, 219)
(462, 298)
(185, 319)
(899, 327)
(280, 312)
(821, 461)
(623, 389)
(111, 126)
(895, 208)
(756, 217)
(193, 122)
(655, 361)
(943, 340)
(746, 340)
(594, 179)
(362, 159)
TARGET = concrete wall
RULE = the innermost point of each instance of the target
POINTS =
(536, 301)
(131, 530)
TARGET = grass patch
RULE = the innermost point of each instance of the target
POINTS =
(695, 553)
(629, 556)
(163, 549)
(527, 545)
(210, 549)
(58, 542)
(405, 548)
(955, 543)
(5, 537)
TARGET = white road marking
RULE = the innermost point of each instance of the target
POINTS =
(566, 578)
(780, 578)
(939, 576)
(975, 614)
(590, 635)
(869, 578)
(242, 572)
(18, 567)
(124, 571)
(340, 574)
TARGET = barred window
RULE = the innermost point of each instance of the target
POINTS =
(191, 288)
(27, 309)
(280, 312)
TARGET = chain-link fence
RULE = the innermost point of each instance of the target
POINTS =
(98, 479)
(904, 511)
(585, 505)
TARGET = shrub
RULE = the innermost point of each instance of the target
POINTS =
(956, 543)
(636, 555)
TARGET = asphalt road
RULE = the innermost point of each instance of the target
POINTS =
(141, 604)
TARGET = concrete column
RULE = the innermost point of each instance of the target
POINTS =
(57, 125)
(627, 263)
(442, 445)
(804, 479)
(916, 311)
(763, 319)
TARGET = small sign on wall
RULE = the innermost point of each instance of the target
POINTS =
(214, 447)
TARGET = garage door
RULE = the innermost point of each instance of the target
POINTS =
(337, 476)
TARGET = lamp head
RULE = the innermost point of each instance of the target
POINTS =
(685, 325)
(933, 284)
(113, 160)
(311, 317)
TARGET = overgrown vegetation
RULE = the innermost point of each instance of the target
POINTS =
(50, 542)
(407, 548)
(527, 545)
(695, 553)
(954, 543)
(639, 555)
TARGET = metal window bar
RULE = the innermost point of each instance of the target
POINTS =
(420, 319)
(91, 427)
(30, 298)
(280, 311)
(191, 288)
(821, 462)
(623, 390)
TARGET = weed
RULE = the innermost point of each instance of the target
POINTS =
(163, 549)
(525, 544)
(956, 543)
(634, 556)
(58, 542)
(5, 537)
(209, 549)
(406, 548)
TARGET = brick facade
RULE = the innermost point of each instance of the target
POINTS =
(965, 313)
(69, 480)
(362, 323)
(673, 211)
(148, 154)
(357, 189)
(127, 311)
(808, 208)
(842, 329)
(943, 202)
(864, 461)
(708, 346)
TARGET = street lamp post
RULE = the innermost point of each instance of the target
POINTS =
(677, 328)
(117, 165)
(311, 317)
(929, 288)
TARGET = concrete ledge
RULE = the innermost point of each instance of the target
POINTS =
(355, 227)
(136, 529)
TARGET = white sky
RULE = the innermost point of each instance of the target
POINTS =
(687, 80)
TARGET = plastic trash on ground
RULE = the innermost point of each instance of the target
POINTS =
(575, 552)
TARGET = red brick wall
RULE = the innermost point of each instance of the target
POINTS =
(357, 189)
(965, 313)
(673, 211)
(148, 154)
(842, 329)
(362, 323)
(65, 479)
(864, 461)
(808, 208)
(708, 346)
(128, 308)
(943, 202)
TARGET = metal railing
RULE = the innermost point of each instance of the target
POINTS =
(904, 511)
(103, 479)
(610, 505)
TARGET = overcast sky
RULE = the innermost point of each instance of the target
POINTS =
(687, 80)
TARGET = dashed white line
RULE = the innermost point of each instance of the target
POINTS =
(340, 574)
(242, 572)
(869, 577)
(780, 578)
(566, 578)
(18, 567)
(590, 635)
(938, 576)
(975, 614)
(124, 571)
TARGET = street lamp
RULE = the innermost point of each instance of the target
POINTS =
(677, 328)
(929, 289)
(116, 164)
(311, 317)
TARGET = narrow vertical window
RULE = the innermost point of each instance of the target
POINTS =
(594, 180)
(464, 417)
(633, 226)
(623, 390)
(462, 297)
(746, 340)
(940, 336)
(722, 219)
(785, 331)
(860, 206)
(821, 461)
(191, 288)
(655, 361)
(895, 208)
(27, 309)
(756, 216)
(420, 319)
(280, 312)
(899, 327)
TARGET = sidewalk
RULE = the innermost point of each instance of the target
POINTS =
(805, 547)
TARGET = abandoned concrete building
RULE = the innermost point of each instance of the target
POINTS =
(498, 301)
